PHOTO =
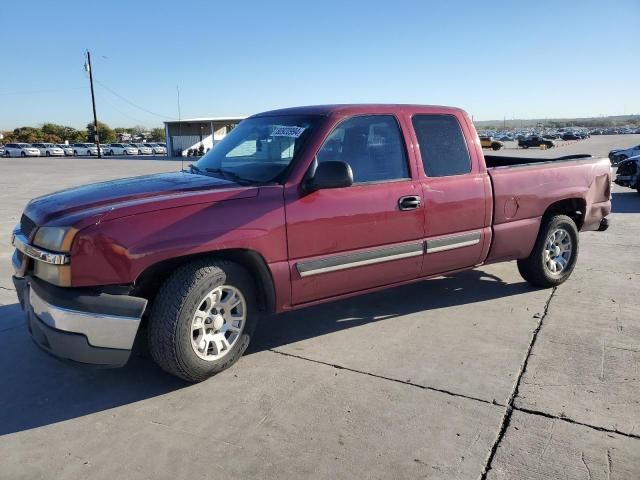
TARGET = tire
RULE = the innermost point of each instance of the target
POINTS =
(525, 146)
(170, 331)
(75, 153)
(496, 146)
(22, 154)
(111, 153)
(124, 152)
(534, 269)
(47, 154)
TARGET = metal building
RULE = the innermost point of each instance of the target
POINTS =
(185, 134)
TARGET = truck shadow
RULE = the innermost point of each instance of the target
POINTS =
(626, 202)
(452, 290)
(37, 390)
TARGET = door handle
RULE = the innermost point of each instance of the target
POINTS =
(410, 202)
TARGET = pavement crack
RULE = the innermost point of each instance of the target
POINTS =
(585, 464)
(382, 377)
(506, 418)
(576, 422)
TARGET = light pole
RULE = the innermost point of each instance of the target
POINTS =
(93, 102)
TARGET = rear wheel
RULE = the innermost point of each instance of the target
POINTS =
(554, 254)
(203, 319)
(496, 146)
(47, 153)
(22, 154)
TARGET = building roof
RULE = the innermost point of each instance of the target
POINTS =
(207, 120)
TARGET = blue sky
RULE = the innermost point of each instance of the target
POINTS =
(493, 58)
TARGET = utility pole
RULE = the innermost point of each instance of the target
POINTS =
(93, 102)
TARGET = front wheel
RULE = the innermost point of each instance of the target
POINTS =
(554, 254)
(496, 146)
(203, 319)
(22, 154)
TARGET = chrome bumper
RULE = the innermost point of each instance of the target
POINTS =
(61, 326)
(103, 331)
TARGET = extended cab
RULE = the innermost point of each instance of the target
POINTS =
(294, 207)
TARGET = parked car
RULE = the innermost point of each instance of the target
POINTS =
(619, 154)
(122, 149)
(1, 150)
(49, 149)
(142, 149)
(490, 142)
(156, 148)
(628, 173)
(20, 150)
(570, 136)
(294, 207)
(535, 141)
(67, 149)
(89, 149)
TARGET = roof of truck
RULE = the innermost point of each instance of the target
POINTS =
(358, 108)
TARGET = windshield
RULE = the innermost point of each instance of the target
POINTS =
(259, 149)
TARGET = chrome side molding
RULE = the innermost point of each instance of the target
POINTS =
(451, 242)
(359, 259)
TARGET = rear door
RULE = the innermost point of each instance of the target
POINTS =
(367, 235)
(457, 193)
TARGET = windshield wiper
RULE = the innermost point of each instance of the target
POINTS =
(229, 175)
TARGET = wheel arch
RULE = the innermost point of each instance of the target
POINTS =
(574, 208)
(149, 281)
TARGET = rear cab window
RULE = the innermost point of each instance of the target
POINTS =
(442, 145)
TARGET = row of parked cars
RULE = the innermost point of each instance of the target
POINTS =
(80, 149)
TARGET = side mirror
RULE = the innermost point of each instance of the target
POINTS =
(332, 174)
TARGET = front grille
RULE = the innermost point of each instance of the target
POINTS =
(27, 226)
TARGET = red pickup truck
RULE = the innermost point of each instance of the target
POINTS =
(294, 207)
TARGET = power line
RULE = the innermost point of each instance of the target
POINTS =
(111, 105)
(132, 103)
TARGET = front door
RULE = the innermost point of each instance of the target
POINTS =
(367, 235)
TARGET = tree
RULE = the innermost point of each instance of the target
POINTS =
(27, 134)
(106, 133)
(157, 135)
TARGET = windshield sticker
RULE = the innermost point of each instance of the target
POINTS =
(284, 131)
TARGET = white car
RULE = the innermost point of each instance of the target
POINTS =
(122, 149)
(142, 149)
(156, 149)
(67, 149)
(49, 149)
(20, 150)
(85, 149)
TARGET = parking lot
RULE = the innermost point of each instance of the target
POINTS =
(457, 377)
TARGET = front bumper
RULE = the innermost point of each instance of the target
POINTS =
(79, 324)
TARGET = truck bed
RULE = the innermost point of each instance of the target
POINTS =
(494, 161)
(525, 188)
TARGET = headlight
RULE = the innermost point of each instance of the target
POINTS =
(56, 239)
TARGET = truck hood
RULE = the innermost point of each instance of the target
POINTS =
(99, 201)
